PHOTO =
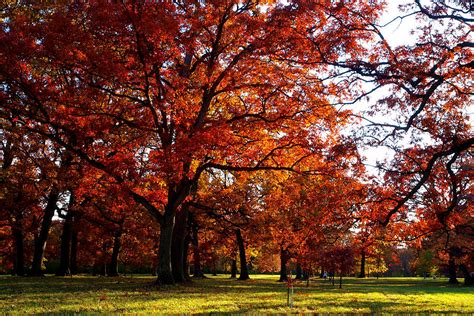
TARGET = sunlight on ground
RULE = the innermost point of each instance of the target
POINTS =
(220, 294)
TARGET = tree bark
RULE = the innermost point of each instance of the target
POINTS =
(452, 270)
(305, 274)
(244, 272)
(468, 280)
(197, 257)
(187, 240)
(362, 265)
(177, 249)
(340, 281)
(233, 269)
(283, 262)
(17, 232)
(154, 268)
(113, 266)
(299, 272)
(214, 271)
(65, 256)
(17, 227)
(165, 272)
(73, 260)
(41, 239)
(103, 266)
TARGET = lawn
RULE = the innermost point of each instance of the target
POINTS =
(220, 294)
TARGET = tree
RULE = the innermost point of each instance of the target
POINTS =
(21, 192)
(152, 99)
(427, 103)
(175, 89)
(340, 259)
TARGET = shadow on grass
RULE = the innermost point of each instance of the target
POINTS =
(221, 295)
(415, 286)
(51, 284)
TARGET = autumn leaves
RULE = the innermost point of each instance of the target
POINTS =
(157, 103)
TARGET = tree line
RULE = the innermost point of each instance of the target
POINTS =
(160, 128)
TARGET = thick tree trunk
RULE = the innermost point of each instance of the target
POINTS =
(65, 256)
(468, 280)
(41, 239)
(299, 272)
(17, 232)
(244, 272)
(73, 260)
(452, 270)
(114, 259)
(233, 269)
(362, 265)
(197, 257)
(283, 262)
(165, 272)
(177, 249)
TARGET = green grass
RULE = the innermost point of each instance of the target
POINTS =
(86, 294)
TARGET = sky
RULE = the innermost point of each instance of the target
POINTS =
(396, 33)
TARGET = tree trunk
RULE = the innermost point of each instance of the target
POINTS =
(65, 256)
(154, 268)
(305, 274)
(41, 239)
(103, 265)
(197, 257)
(299, 272)
(452, 270)
(233, 269)
(283, 262)
(165, 272)
(214, 272)
(113, 266)
(468, 280)
(17, 232)
(244, 272)
(340, 281)
(95, 269)
(73, 260)
(187, 240)
(362, 265)
(17, 227)
(177, 249)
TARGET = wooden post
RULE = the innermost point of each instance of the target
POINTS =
(289, 283)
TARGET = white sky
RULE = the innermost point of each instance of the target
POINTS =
(396, 33)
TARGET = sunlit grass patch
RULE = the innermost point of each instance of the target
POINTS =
(137, 294)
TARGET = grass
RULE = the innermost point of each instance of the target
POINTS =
(87, 294)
